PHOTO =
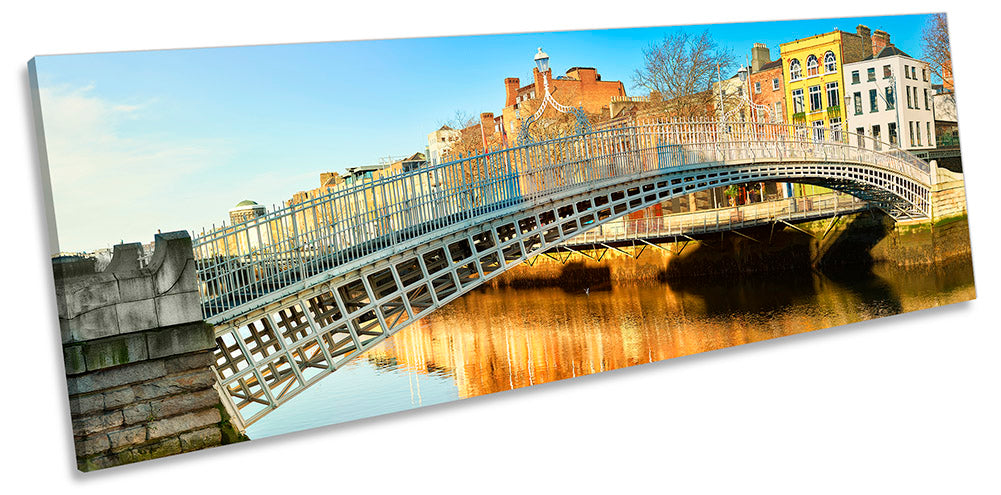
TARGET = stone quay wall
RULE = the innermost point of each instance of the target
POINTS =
(138, 356)
(948, 195)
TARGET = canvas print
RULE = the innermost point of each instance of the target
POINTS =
(263, 239)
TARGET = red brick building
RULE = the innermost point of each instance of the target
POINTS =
(767, 84)
(580, 87)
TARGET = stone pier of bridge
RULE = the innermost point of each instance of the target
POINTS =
(138, 356)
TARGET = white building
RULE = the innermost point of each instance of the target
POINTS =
(889, 97)
(440, 142)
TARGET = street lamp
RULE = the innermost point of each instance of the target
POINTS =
(583, 125)
(742, 74)
(542, 60)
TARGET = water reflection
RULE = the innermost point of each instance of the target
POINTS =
(505, 338)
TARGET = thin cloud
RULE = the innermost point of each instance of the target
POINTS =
(111, 183)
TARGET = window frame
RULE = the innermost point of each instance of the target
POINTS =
(873, 101)
(819, 100)
(812, 70)
(836, 101)
(798, 103)
(830, 63)
(858, 102)
(856, 77)
(870, 74)
(795, 70)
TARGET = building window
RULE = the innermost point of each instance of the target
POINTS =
(833, 98)
(829, 65)
(906, 72)
(870, 74)
(908, 90)
(926, 99)
(797, 101)
(860, 133)
(757, 88)
(917, 132)
(795, 72)
(873, 107)
(778, 111)
(889, 98)
(886, 72)
(812, 67)
(891, 129)
(924, 74)
(858, 103)
(815, 98)
(931, 141)
(836, 128)
(910, 125)
(855, 77)
(913, 74)
(818, 130)
(875, 138)
(775, 84)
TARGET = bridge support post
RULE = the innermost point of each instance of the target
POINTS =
(138, 356)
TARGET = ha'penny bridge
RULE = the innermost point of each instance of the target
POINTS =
(296, 294)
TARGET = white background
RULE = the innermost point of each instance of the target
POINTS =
(907, 404)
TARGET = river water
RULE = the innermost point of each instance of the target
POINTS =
(496, 339)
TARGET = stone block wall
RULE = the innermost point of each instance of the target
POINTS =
(138, 356)
(948, 195)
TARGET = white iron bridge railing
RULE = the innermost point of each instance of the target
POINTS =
(719, 219)
(289, 248)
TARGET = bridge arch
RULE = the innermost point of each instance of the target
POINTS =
(314, 296)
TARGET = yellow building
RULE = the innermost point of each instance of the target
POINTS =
(815, 83)
(812, 68)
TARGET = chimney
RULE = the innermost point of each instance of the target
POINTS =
(866, 35)
(511, 86)
(487, 123)
(759, 56)
(880, 40)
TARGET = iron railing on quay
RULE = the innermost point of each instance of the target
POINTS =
(239, 264)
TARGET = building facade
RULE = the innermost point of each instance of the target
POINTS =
(244, 211)
(814, 76)
(767, 86)
(579, 87)
(440, 142)
(890, 99)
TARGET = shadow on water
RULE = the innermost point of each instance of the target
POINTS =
(853, 244)
(574, 277)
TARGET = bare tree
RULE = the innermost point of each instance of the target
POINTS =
(936, 49)
(460, 120)
(679, 73)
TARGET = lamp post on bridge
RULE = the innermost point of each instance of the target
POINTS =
(583, 125)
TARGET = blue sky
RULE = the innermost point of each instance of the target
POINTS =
(171, 139)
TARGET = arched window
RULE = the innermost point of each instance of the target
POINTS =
(829, 65)
(812, 67)
(795, 72)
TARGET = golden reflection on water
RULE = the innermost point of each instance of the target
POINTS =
(500, 339)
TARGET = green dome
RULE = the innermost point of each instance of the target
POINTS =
(246, 202)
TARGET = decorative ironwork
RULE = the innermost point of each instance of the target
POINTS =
(297, 293)
(582, 124)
